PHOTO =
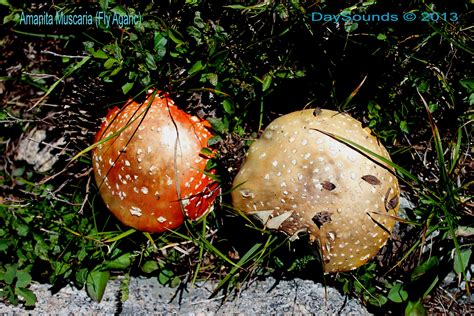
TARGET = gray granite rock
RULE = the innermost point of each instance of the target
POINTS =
(147, 297)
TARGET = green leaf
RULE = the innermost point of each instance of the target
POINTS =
(404, 127)
(397, 294)
(165, 276)
(5, 3)
(132, 75)
(173, 37)
(22, 229)
(115, 71)
(96, 283)
(27, 295)
(351, 26)
(80, 277)
(381, 37)
(284, 74)
(150, 61)
(346, 286)
(430, 288)
(88, 46)
(81, 254)
(377, 300)
(23, 278)
(15, 17)
(205, 152)
(461, 260)
(423, 86)
(194, 33)
(195, 68)
(433, 107)
(218, 124)
(465, 231)
(11, 296)
(300, 73)
(175, 282)
(133, 37)
(415, 309)
(213, 79)
(120, 263)
(126, 87)
(160, 53)
(125, 288)
(235, 6)
(60, 267)
(150, 266)
(109, 63)
(41, 247)
(104, 4)
(228, 106)
(10, 273)
(198, 21)
(282, 12)
(4, 244)
(119, 10)
(18, 172)
(296, 4)
(159, 41)
(267, 81)
(423, 268)
(100, 54)
(214, 140)
(145, 80)
(468, 84)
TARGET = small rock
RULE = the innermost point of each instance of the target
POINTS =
(147, 296)
(34, 151)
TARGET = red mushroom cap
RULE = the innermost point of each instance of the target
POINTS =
(149, 166)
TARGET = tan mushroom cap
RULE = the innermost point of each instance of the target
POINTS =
(297, 178)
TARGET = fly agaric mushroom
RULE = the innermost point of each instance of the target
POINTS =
(149, 166)
(298, 177)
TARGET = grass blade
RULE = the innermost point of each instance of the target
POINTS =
(122, 235)
(237, 266)
(66, 74)
(402, 171)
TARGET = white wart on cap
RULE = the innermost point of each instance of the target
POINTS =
(298, 178)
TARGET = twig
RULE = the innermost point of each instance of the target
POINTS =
(208, 300)
(41, 76)
(61, 55)
(81, 211)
